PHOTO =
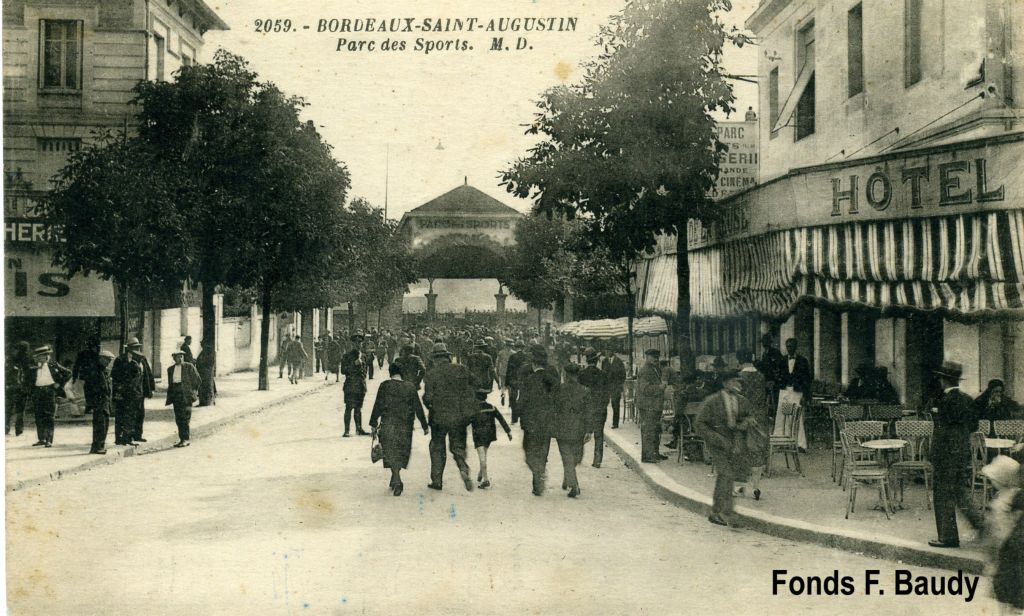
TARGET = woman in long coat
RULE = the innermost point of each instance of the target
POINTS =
(395, 409)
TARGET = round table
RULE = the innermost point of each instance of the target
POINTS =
(887, 446)
(999, 443)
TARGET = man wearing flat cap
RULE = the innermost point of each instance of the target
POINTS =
(96, 384)
(951, 457)
(650, 402)
(46, 378)
(353, 366)
(182, 392)
(596, 382)
(448, 393)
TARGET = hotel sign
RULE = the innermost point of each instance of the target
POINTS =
(968, 177)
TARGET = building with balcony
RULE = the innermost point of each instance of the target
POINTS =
(69, 67)
(888, 222)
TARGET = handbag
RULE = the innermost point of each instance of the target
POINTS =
(376, 451)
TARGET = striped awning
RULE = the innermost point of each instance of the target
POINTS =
(963, 264)
(615, 328)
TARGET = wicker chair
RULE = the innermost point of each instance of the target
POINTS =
(866, 475)
(858, 432)
(914, 457)
(985, 427)
(786, 442)
(840, 415)
(979, 457)
(1009, 428)
(889, 413)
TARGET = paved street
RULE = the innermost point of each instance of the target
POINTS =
(278, 514)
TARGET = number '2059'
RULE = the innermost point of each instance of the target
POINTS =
(273, 25)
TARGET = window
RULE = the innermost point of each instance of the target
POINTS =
(60, 145)
(805, 112)
(855, 51)
(911, 42)
(805, 62)
(773, 98)
(161, 54)
(61, 53)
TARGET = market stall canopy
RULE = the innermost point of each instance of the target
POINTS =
(615, 328)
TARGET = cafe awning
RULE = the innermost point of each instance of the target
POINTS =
(605, 329)
(963, 264)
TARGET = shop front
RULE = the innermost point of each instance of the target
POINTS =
(902, 259)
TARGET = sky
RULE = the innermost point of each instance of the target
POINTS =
(423, 123)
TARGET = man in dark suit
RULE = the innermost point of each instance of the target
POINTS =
(512, 377)
(448, 393)
(45, 378)
(717, 425)
(951, 457)
(538, 381)
(126, 381)
(97, 399)
(182, 392)
(650, 403)
(186, 348)
(615, 371)
(481, 365)
(569, 425)
(353, 366)
(596, 383)
(148, 388)
(795, 370)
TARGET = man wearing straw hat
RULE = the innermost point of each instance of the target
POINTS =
(951, 457)
(46, 377)
(182, 392)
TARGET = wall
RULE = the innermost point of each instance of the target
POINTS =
(845, 124)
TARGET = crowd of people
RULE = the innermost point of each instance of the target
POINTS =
(111, 385)
(551, 397)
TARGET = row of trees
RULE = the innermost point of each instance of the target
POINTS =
(630, 151)
(222, 184)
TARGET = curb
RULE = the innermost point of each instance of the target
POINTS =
(894, 549)
(116, 455)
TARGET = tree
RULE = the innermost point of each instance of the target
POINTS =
(632, 148)
(530, 272)
(383, 266)
(112, 213)
(200, 128)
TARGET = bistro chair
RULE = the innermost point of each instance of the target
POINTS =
(786, 442)
(840, 415)
(914, 457)
(985, 426)
(889, 413)
(688, 438)
(979, 458)
(864, 475)
(1008, 428)
(628, 400)
(858, 432)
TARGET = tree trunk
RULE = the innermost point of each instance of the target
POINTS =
(681, 328)
(540, 324)
(265, 339)
(209, 314)
(351, 320)
(308, 342)
(630, 312)
(123, 305)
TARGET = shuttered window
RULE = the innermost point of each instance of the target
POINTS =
(61, 53)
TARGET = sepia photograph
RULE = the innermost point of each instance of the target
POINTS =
(547, 307)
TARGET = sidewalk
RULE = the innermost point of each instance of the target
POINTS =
(808, 508)
(237, 397)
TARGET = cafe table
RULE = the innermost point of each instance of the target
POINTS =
(887, 446)
(999, 443)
